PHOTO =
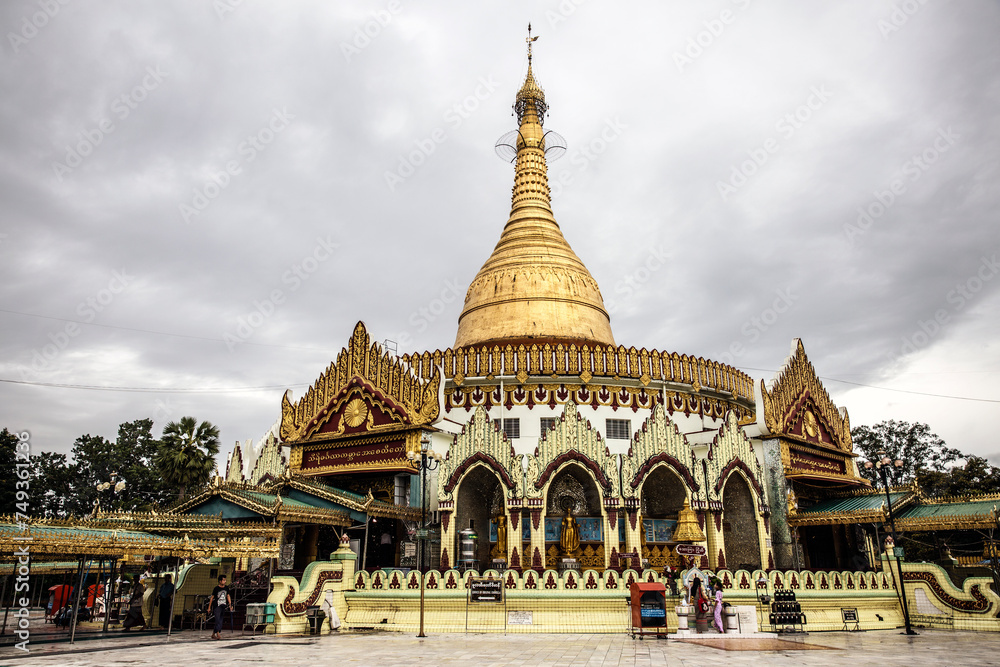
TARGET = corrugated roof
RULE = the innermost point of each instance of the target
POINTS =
(857, 503)
(934, 510)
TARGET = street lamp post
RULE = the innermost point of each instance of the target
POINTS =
(882, 465)
(115, 486)
(429, 460)
(994, 564)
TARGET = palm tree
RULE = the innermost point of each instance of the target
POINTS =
(186, 456)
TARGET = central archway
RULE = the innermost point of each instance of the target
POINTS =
(480, 497)
(740, 532)
(574, 487)
(663, 494)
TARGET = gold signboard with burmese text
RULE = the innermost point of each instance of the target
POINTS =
(378, 454)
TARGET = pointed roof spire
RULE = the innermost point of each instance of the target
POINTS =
(531, 96)
(533, 286)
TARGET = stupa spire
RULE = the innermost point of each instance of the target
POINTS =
(533, 286)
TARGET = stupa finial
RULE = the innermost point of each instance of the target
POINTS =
(531, 97)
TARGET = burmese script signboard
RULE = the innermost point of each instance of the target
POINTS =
(485, 590)
(369, 455)
(690, 550)
(802, 461)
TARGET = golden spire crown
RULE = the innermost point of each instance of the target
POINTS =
(533, 288)
(531, 96)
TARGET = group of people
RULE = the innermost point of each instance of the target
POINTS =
(705, 598)
(218, 604)
(134, 616)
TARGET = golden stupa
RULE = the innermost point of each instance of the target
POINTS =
(533, 288)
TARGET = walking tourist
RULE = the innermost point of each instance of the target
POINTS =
(717, 585)
(220, 604)
(134, 616)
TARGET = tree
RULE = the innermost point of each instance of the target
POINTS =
(52, 492)
(132, 456)
(977, 476)
(8, 470)
(186, 457)
(914, 444)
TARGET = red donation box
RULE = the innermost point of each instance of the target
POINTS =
(649, 607)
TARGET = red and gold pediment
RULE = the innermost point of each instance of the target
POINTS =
(797, 406)
(359, 408)
(366, 390)
(806, 422)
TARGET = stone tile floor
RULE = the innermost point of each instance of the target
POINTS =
(882, 648)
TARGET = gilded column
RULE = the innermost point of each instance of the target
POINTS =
(715, 539)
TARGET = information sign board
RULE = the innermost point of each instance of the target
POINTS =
(691, 550)
(485, 590)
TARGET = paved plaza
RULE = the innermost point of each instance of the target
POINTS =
(883, 648)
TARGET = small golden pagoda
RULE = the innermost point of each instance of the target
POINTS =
(688, 529)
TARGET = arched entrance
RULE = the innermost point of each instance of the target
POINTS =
(480, 498)
(663, 495)
(574, 488)
(739, 525)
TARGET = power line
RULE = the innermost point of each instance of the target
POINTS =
(918, 393)
(156, 333)
(871, 386)
(158, 390)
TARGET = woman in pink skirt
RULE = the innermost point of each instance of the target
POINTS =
(717, 585)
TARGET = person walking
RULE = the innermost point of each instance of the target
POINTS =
(135, 616)
(717, 585)
(220, 603)
(164, 599)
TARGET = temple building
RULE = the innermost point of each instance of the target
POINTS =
(542, 452)
(541, 416)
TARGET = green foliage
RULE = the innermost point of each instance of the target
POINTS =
(8, 471)
(61, 485)
(186, 456)
(926, 458)
(977, 476)
(914, 444)
(52, 477)
(132, 457)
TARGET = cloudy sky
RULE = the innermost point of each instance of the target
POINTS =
(199, 200)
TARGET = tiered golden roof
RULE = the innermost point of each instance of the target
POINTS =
(533, 286)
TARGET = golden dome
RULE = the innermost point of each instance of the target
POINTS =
(533, 286)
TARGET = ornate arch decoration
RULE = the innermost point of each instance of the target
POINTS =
(572, 439)
(573, 457)
(658, 441)
(731, 450)
(479, 458)
(481, 442)
(732, 467)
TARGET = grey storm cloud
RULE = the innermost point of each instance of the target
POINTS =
(207, 196)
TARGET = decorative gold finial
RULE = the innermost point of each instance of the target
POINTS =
(529, 40)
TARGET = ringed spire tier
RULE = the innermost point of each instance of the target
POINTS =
(533, 287)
